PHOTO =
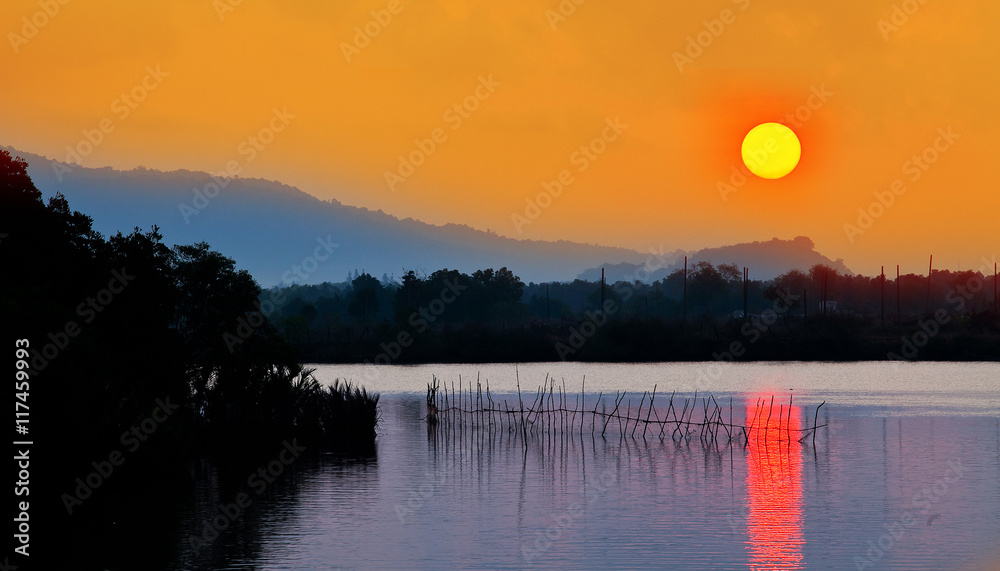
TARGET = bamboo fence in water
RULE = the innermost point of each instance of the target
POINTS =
(550, 411)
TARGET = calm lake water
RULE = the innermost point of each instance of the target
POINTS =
(905, 476)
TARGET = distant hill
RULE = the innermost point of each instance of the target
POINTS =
(765, 260)
(269, 227)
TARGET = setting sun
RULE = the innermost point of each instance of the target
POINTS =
(771, 150)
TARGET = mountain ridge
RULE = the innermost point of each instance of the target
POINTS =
(274, 226)
(763, 259)
(291, 219)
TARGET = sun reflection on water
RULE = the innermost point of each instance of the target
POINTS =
(774, 486)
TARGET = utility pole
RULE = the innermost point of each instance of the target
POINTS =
(602, 294)
(546, 301)
(656, 306)
(898, 306)
(826, 274)
(746, 289)
(930, 268)
(883, 298)
(684, 302)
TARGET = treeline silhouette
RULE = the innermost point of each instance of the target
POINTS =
(131, 384)
(490, 315)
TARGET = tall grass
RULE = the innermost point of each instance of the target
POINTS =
(340, 417)
(285, 403)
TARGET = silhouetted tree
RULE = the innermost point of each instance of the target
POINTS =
(308, 313)
(706, 286)
(364, 300)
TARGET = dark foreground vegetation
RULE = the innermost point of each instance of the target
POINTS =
(712, 312)
(131, 384)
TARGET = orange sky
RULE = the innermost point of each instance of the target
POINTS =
(655, 185)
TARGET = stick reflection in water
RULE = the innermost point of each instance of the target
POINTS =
(774, 487)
